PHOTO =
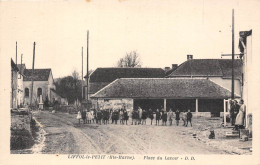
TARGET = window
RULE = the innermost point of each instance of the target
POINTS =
(39, 92)
(26, 92)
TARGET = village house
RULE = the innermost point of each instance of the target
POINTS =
(200, 85)
(14, 85)
(216, 70)
(43, 86)
(102, 77)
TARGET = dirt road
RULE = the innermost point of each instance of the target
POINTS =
(66, 136)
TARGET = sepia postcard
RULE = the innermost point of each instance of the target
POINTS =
(130, 82)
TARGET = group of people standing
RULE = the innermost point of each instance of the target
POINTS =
(103, 116)
(237, 114)
(138, 116)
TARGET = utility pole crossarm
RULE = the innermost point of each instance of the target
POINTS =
(231, 54)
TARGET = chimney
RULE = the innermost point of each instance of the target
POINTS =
(189, 57)
(166, 69)
(174, 66)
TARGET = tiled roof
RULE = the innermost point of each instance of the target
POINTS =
(111, 74)
(209, 67)
(167, 73)
(39, 74)
(96, 86)
(163, 88)
(14, 66)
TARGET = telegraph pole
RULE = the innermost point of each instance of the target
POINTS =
(233, 56)
(82, 86)
(87, 66)
(16, 54)
(32, 73)
(21, 65)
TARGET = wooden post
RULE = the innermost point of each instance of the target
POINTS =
(82, 87)
(164, 104)
(97, 104)
(233, 55)
(225, 119)
(21, 66)
(12, 81)
(32, 73)
(16, 54)
(197, 106)
(87, 67)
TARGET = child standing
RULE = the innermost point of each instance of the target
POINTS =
(177, 117)
(189, 117)
(158, 116)
(79, 116)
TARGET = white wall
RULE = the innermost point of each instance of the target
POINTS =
(226, 83)
(36, 85)
(116, 103)
(20, 90)
(45, 85)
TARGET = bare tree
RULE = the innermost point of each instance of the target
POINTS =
(130, 60)
(75, 75)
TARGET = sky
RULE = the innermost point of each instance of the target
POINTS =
(162, 32)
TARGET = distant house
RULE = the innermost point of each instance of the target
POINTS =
(61, 99)
(101, 77)
(14, 85)
(43, 85)
(216, 70)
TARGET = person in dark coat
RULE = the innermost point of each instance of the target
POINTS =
(83, 115)
(95, 115)
(106, 116)
(158, 116)
(237, 107)
(115, 116)
(99, 117)
(164, 118)
(177, 117)
(189, 117)
(232, 112)
(133, 116)
(150, 114)
(126, 116)
(144, 117)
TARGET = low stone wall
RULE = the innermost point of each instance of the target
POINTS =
(67, 108)
(201, 114)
